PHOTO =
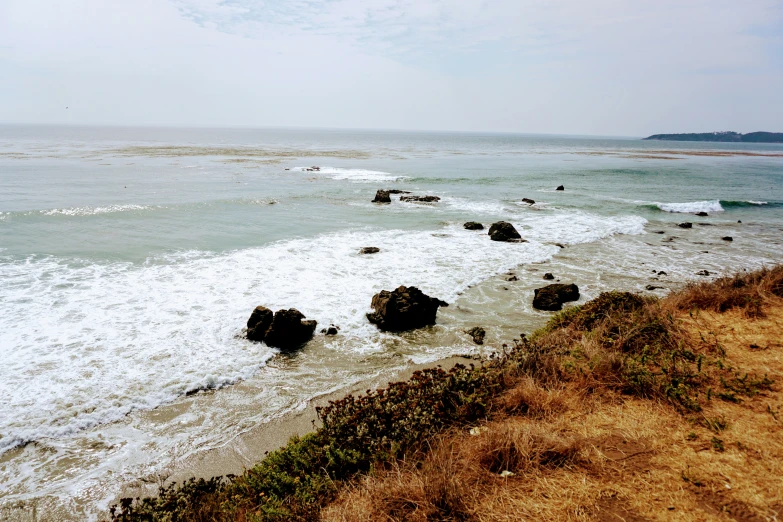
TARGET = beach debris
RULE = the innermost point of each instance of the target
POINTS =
(369, 250)
(477, 333)
(406, 308)
(506, 473)
(548, 276)
(727, 238)
(702, 214)
(560, 187)
(473, 225)
(332, 330)
(552, 297)
(685, 225)
(382, 196)
(528, 201)
(478, 430)
(703, 273)
(285, 329)
(504, 231)
(420, 199)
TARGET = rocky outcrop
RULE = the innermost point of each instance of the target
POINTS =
(685, 225)
(503, 231)
(528, 201)
(285, 329)
(477, 333)
(382, 196)
(259, 323)
(420, 199)
(560, 187)
(369, 250)
(473, 225)
(552, 297)
(405, 308)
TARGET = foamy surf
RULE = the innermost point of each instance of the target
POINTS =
(355, 175)
(691, 207)
(117, 337)
(91, 211)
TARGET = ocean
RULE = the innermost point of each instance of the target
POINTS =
(131, 258)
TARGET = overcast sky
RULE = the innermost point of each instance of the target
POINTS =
(569, 67)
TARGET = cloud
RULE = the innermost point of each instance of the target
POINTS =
(600, 67)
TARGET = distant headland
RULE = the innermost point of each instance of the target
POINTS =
(728, 136)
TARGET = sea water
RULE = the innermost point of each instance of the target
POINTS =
(130, 260)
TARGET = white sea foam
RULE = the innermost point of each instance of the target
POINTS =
(355, 175)
(91, 211)
(692, 207)
(89, 342)
(757, 202)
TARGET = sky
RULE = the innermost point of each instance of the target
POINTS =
(588, 67)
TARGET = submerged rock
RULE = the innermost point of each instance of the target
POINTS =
(703, 273)
(285, 329)
(332, 330)
(528, 201)
(653, 287)
(473, 225)
(477, 333)
(549, 276)
(382, 196)
(560, 187)
(369, 250)
(702, 214)
(421, 199)
(727, 238)
(398, 191)
(503, 231)
(552, 297)
(685, 225)
(405, 308)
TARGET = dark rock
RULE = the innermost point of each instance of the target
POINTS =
(382, 196)
(548, 276)
(658, 232)
(512, 278)
(552, 297)
(528, 201)
(259, 323)
(703, 273)
(560, 245)
(421, 199)
(369, 250)
(662, 273)
(332, 330)
(561, 187)
(405, 308)
(289, 330)
(727, 238)
(702, 214)
(473, 225)
(653, 287)
(398, 191)
(685, 225)
(477, 333)
(739, 221)
(503, 231)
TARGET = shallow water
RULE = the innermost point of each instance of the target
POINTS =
(130, 260)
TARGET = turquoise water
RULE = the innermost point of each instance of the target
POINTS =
(131, 258)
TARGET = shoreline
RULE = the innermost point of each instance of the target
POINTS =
(250, 447)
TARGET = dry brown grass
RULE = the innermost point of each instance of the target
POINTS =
(582, 448)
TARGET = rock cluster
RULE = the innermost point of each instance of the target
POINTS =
(382, 196)
(685, 225)
(284, 329)
(405, 308)
(421, 199)
(552, 297)
(477, 333)
(473, 225)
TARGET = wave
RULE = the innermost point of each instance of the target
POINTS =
(746, 203)
(118, 337)
(691, 207)
(91, 211)
(355, 175)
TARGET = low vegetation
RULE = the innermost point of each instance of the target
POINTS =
(624, 408)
